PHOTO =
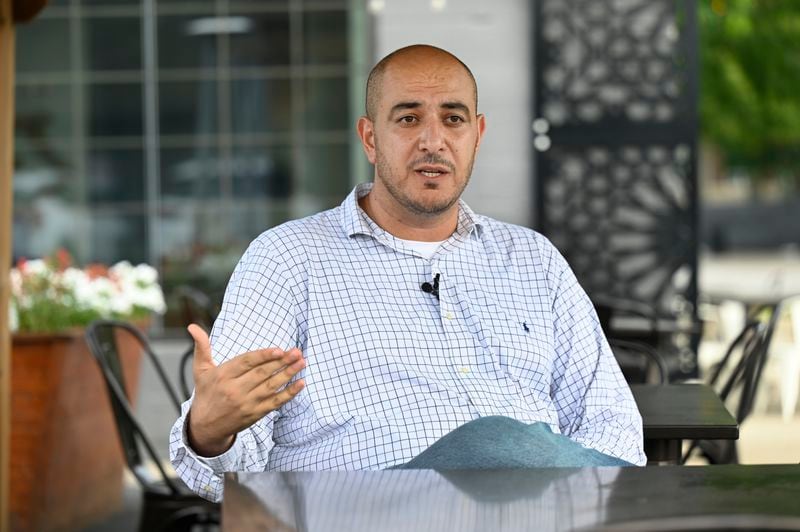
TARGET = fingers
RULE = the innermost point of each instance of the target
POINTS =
(256, 360)
(202, 351)
(277, 400)
(271, 376)
(257, 374)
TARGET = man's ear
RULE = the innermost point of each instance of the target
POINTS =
(481, 130)
(366, 132)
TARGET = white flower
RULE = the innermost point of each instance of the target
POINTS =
(151, 298)
(13, 317)
(81, 286)
(100, 295)
(16, 282)
(139, 285)
(122, 303)
(146, 274)
(74, 285)
(37, 267)
(72, 278)
(122, 271)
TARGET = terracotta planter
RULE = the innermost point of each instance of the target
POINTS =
(66, 463)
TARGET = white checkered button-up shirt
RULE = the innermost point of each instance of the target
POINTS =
(391, 369)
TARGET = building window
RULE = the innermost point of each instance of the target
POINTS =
(174, 132)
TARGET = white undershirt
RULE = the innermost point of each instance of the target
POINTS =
(426, 249)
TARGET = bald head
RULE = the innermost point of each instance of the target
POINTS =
(416, 54)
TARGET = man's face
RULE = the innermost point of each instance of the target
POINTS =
(423, 137)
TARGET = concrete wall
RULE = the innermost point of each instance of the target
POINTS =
(493, 38)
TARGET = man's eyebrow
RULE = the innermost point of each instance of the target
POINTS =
(403, 106)
(456, 106)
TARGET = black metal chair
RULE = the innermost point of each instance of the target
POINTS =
(196, 308)
(736, 379)
(168, 504)
(639, 362)
(610, 310)
(634, 349)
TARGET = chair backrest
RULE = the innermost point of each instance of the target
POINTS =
(742, 374)
(739, 372)
(103, 338)
(608, 309)
(646, 353)
(635, 353)
(197, 308)
(183, 370)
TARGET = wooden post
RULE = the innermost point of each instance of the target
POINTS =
(6, 204)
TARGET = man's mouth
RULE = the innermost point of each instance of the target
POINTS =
(429, 171)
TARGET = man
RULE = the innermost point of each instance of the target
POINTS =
(401, 329)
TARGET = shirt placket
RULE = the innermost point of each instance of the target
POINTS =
(457, 338)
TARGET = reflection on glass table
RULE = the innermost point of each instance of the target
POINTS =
(653, 498)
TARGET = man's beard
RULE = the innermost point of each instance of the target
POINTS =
(386, 176)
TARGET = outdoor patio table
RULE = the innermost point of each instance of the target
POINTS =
(672, 413)
(729, 497)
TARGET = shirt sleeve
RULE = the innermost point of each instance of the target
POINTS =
(259, 311)
(594, 402)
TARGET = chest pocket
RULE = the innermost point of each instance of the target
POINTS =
(522, 345)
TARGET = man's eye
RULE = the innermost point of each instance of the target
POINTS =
(455, 119)
(408, 120)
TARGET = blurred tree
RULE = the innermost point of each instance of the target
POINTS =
(750, 84)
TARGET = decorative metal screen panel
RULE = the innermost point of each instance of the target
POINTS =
(615, 153)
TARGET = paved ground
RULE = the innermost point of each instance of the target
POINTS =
(766, 439)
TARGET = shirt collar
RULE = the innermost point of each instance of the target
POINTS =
(355, 221)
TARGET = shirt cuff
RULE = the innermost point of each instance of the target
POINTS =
(219, 464)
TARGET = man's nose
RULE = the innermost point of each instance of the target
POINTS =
(431, 138)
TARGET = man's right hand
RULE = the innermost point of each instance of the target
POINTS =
(232, 396)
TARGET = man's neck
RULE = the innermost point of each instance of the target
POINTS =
(408, 227)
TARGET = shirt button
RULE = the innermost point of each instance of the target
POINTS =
(463, 370)
(449, 315)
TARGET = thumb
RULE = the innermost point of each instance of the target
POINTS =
(202, 350)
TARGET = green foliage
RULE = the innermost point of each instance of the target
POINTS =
(750, 83)
(46, 315)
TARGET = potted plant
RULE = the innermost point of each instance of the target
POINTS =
(66, 461)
